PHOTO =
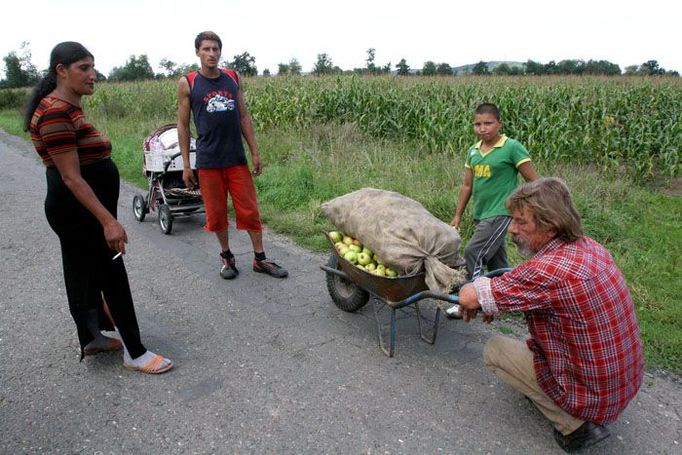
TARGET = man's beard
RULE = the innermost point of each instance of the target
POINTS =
(524, 249)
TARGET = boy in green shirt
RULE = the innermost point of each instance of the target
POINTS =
(490, 174)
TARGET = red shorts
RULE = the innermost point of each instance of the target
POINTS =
(216, 184)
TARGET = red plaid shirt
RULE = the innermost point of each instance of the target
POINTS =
(585, 340)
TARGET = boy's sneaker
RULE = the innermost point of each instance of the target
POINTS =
(453, 312)
(270, 268)
(229, 270)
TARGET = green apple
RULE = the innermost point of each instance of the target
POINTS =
(379, 272)
(338, 245)
(347, 240)
(351, 256)
(390, 272)
(364, 258)
(371, 266)
(336, 236)
(375, 258)
(381, 267)
(343, 250)
(355, 248)
(367, 251)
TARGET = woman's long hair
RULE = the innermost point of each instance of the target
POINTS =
(64, 53)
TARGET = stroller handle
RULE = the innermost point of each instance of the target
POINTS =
(169, 161)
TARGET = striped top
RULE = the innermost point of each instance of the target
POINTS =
(59, 127)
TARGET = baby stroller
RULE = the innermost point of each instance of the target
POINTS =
(162, 167)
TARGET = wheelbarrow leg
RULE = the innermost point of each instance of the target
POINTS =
(380, 331)
(434, 328)
(391, 346)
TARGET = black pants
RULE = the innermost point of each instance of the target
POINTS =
(89, 271)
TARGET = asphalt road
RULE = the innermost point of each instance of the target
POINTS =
(262, 365)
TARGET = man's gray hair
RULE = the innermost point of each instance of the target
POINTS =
(549, 201)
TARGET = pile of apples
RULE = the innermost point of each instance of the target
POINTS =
(362, 257)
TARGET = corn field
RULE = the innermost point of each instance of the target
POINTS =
(323, 137)
(611, 122)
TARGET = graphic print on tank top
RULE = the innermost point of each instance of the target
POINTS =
(220, 101)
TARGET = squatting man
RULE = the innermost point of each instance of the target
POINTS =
(583, 362)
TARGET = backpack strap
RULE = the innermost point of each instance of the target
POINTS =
(193, 75)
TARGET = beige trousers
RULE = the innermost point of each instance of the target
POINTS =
(512, 361)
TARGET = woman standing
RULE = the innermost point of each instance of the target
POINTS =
(82, 196)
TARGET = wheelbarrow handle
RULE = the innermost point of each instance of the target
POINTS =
(498, 272)
(336, 272)
(452, 298)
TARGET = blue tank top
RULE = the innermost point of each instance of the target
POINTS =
(216, 117)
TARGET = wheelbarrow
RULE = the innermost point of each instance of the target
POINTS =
(351, 287)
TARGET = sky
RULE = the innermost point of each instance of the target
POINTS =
(624, 32)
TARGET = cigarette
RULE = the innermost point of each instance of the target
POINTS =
(116, 257)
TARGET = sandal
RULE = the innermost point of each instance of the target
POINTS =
(157, 365)
(112, 344)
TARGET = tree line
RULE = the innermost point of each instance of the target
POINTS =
(21, 72)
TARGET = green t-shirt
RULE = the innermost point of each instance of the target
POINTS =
(495, 175)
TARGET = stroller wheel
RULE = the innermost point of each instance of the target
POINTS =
(165, 219)
(140, 208)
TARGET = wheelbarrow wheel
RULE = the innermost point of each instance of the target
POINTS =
(140, 208)
(346, 295)
(165, 219)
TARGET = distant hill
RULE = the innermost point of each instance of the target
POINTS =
(491, 66)
(464, 69)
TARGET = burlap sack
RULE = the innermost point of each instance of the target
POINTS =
(402, 233)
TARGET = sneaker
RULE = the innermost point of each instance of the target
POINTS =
(229, 270)
(270, 268)
(453, 312)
